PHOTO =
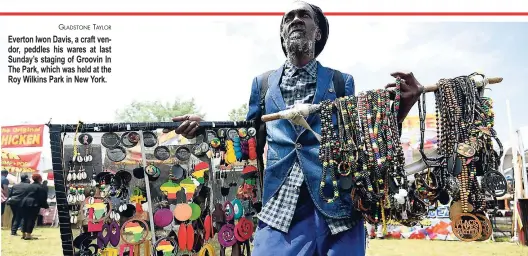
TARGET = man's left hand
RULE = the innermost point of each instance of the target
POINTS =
(411, 90)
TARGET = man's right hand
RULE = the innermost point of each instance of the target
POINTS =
(189, 126)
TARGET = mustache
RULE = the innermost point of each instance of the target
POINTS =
(296, 26)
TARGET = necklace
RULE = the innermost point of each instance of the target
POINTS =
(327, 151)
(367, 145)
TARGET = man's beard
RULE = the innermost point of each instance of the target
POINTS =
(299, 46)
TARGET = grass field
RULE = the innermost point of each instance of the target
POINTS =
(49, 244)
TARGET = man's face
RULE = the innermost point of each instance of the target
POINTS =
(299, 29)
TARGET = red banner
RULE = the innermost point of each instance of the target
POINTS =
(21, 136)
(20, 162)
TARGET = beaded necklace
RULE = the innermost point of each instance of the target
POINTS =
(464, 127)
(327, 152)
(368, 146)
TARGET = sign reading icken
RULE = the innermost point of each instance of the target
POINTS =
(22, 162)
(22, 136)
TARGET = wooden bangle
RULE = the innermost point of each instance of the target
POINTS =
(207, 249)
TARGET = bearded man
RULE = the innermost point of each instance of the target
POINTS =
(295, 220)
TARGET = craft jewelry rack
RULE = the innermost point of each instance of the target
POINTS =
(297, 114)
(368, 146)
(56, 130)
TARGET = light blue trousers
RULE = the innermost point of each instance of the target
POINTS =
(309, 235)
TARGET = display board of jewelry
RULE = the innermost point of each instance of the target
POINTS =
(210, 192)
(175, 200)
(361, 152)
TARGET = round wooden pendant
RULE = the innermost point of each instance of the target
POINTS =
(163, 217)
(162, 153)
(466, 227)
(182, 212)
(126, 142)
(153, 171)
(150, 139)
(133, 137)
(487, 228)
(238, 209)
(116, 154)
(229, 210)
(244, 230)
(252, 131)
(85, 139)
(456, 208)
(110, 140)
(226, 236)
(196, 211)
(183, 153)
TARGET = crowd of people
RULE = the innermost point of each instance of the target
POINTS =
(25, 200)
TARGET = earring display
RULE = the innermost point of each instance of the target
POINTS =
(168, 204)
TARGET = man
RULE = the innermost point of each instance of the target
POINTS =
(295, 220)
(17, 194)
(5, 189)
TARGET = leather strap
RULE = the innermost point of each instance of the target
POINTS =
(261, 127)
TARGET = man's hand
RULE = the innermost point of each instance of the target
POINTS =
(411, 90)
(190, 125)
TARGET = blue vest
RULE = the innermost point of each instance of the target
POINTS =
(286, 145)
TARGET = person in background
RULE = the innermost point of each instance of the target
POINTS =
(5, 189)
(40, 217)
(36, 198)
(14, 200)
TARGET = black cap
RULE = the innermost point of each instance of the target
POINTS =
(24, 177)
(324, 27)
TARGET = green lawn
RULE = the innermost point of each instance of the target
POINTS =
(49, 245)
